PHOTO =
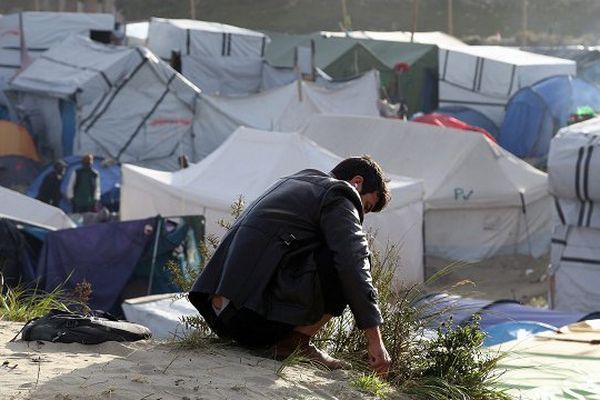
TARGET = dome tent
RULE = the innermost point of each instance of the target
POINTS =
(535, 113)
(471, 117)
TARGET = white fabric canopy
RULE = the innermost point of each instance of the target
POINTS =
(201, 38)
(475, 192)
(131, 106)
(485, 77)
(249, 162)
(18, 207)
(285, 109)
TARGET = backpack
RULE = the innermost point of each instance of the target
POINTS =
(86, 328)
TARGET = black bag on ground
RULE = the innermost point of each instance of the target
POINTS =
(95, 327)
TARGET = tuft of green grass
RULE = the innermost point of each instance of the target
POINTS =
(21, 304)
(373, 385)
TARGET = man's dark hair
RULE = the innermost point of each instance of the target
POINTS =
(373, 177)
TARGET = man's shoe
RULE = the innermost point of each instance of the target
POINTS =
(300, 344)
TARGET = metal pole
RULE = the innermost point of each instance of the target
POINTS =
(154, 252)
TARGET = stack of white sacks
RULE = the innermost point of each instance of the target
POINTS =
(574, 175)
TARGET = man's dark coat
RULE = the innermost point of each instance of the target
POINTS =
(265, 262)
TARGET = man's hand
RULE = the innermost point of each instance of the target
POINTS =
(379, 359)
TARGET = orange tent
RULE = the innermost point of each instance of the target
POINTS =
(16, 141)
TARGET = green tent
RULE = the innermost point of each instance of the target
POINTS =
(343, 58)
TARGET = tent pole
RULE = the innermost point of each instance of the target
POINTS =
(154, 252)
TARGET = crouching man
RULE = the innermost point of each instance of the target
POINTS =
(296, 257)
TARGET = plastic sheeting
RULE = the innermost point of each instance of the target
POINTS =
(104, 255)
(285, 109)
(132, 107)
(480, 200)
(42, 30)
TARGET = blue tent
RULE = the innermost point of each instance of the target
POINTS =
(471, 117)
(110, 182)
(535, 113)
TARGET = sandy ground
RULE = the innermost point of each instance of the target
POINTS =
(156, 371)
(147, 370)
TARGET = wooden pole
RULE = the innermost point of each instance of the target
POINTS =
(450, 18)
(524, 23)
(193, 9)
(415, 16)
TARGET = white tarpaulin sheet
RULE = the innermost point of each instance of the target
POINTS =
(285, 109)
(131, 106)
(247, 164)
(200, 38)
(160, 313)
(485, 77)
(18, 207)
(475, 192)
(575, 263)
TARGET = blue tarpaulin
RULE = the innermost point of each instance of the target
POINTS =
(438, 308)
(105, 255)
(535, 113)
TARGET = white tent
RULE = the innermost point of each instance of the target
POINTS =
(574, 176)
(573, 169)
(129, 105)
(246, 164)
(284, 109)
(18, 207)
(440, 39)
(480, 200)
(485, 77)
(41, 31)
(200, 38)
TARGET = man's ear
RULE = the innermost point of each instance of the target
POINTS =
(357, 182)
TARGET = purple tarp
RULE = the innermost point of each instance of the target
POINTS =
(104, 255)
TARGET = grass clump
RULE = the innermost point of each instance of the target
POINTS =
(372, 385)
(21, 304)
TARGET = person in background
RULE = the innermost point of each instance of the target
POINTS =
(295, 258)
(184, 161)
(50, 188)
(84, 187)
